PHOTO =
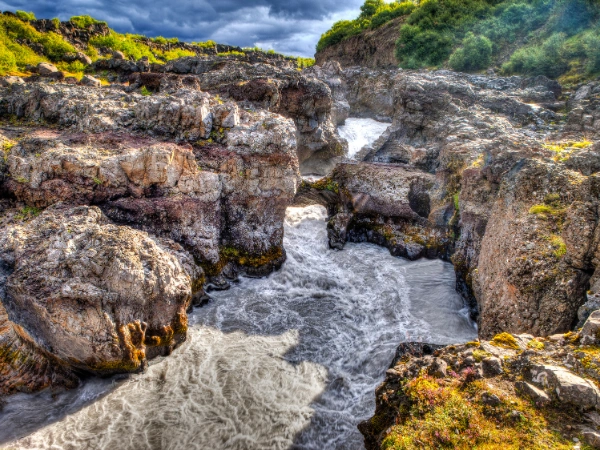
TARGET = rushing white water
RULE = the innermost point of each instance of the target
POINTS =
(289, 361)
(360, 133)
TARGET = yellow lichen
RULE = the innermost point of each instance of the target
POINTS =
(505, 340)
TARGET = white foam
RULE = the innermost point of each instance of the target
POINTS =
(360, 133)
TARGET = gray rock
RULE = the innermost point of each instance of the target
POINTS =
(569, 387)
(85, 59)
(46, 69)
(118, 55)
(592, 304)
(592, 438)
(9, 81)
(491, 367)
(89, 80)
(590, 333)
(438, 369)
(490, 399)
(539, 397)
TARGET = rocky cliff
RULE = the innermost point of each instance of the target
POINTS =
(372, 49)
(497, 174)
(120, 209)
(500, 176)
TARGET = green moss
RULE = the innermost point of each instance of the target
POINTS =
(536, 344)
(326, 184)
(505, 340)
(250, 260)
(145, 92)
(480, 355)
(27, 213)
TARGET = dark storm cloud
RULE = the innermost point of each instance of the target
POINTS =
(291, 26)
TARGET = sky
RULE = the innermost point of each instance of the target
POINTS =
(288, 26)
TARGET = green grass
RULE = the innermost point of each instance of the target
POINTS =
(85, 21)
(15, 56)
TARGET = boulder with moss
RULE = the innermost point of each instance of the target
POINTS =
(543, 395)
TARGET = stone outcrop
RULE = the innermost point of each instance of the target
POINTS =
(98, 297)
(372, 48)
(537, 386)
(304, 99)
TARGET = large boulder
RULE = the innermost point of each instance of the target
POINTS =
(98, 297)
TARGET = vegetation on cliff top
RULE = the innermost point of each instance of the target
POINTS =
(22, 45)
(533, 37)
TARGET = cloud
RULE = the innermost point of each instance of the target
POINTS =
(287, 26)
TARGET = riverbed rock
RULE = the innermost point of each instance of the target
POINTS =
(484, 140)
(306, 100)
(569, 387)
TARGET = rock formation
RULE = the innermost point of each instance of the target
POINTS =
(507, 188)
(120, 209)
(511, 390)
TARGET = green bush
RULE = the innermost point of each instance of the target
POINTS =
(591, 44)
(390, 12)
(546, 59)
(27, 16)
(370, 8)
(416, 48)
(84, 21)
(475, 54)
(340, 31)
(129, 44)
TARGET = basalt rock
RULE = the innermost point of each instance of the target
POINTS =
(283, 90)
(127, 206)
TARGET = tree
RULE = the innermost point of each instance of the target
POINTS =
(370, 8)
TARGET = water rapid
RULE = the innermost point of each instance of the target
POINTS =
(286, 362)
(361, 132)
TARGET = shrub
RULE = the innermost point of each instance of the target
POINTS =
(546, 59)
(56, 22)
(416, 48)
(370, 8)
(177, 53)
(303, 63)
(591, 44)
(27, 16)
(340, 31)
(390, 12)
(475, 54)
(84, 21)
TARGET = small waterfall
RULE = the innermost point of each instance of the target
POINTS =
(360, 133)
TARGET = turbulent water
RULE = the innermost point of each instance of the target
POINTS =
(290, 361)
(360, 133)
